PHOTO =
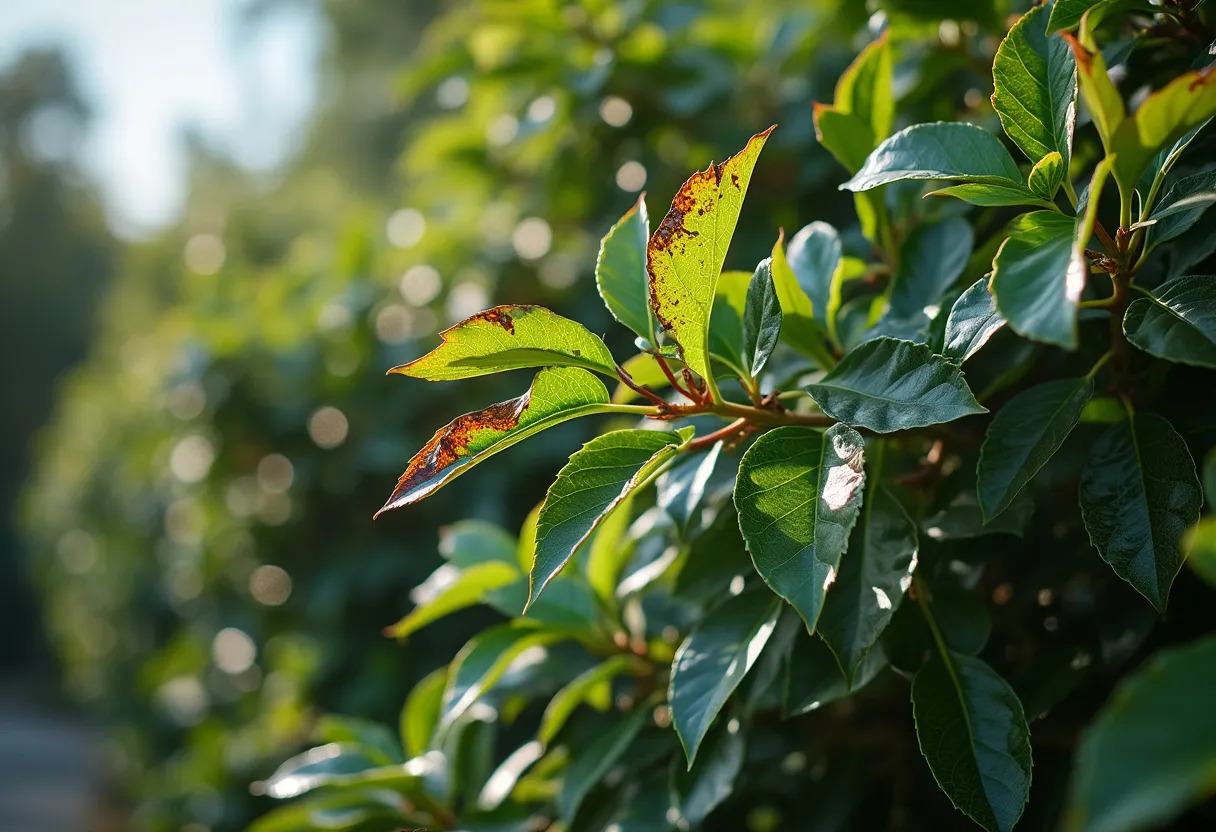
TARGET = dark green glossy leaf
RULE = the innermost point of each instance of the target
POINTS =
(1038, 278)
(973, 733)
(712, 779)
(930, 260)
(620, 271)
(1177, 322)
(592, 762)
(962, 518)
(973, 320)
(797, 496)
(888, 385)
(1182, 206)
(761, 319)
(1066, 14)
(595, 480)
(990, 195)
(1036, 89)
(714, 659)
(1139, 493)
(1159, 167)
(813, 255)
(1151, 751)
(567, 602)
(941, 150)
(814, 678)
(1024, 435)
(875, 573)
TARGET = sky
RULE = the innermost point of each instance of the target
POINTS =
(150, 69)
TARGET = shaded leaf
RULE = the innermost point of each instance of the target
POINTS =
(989, 195)
(930, 260)
(973, 320)
(420, 714)
(1182, 206)
(1066, 14)
(797, 496)
(799, 327)
(1177, 321)
(456, 590)
(703, 788)
(685, 254)
(1139, 493)
(556, 395)
(597, 759)
(593, 686)
(813, 255)
(1024, 435)
(596, 479)
(508, 338)
(712, 661)
(761, 319)
(973, 733)
(814, 678)
(1151, 751)
(620, 271)
(888, 385)
(941, 150)
(470, 542)
(1199, 547)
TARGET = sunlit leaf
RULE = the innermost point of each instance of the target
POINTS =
(989, 195)
(799, 327)
(465, 588)
(1047, 176)
(620, 271)
(941, 150)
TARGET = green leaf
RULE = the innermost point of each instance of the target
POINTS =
(799, 327)
(846, 136)
(865, 88)
(813, 677)
(1101, 98)
(568, 602)
(987, 195)
(1066, 14)
(1159, 167)
(712, 661)
(1047, 175)
(703, 788)
(1165, 116)
(888, 385)
(608, 552)
(1209, 477)
(557, 394)
(761, 318)
(1151, 751)
(797, 495)
(450, 590)
(1024, 435)
(1177, 322)
(973, 734)
(620, 271)
(875, 573)
(596, 760)
(374, 739)
(343, 765)
(930, 260)
(1036, 90)
(594, 482)
(1038, 277)
(941, 150)
(508, 338)
(593, 686)
(973, 320)
(1199, 546)
(420, 714)
(685, 254)
(483, 660)
(470, 542)
(1139, 493)
(1182, 206)
(726, 325)
(813, 255)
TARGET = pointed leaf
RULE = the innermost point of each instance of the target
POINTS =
(988, 195)
(930, 260)
(686, 252)
(813, 255)
(593, 686)
(864, 88)
(1036, 89)
(1101, 98)
(875, 573)
(1024, 435)
(557, 395)
(1139, 493)
(420, 714)
(761, 319)
(1182, 206)
(1047, 176)
(941, 150)
(620, 271)
(814, 678)
(594, 482)
(973, 320)
(1066, 14)
(973, 733)
(596, 760)
(799, 328)
(507, 338)
(1151, 751)
(713, 660)
(888, 385)
(464, 588)
(702, 789)
(1177, 322)
(797, 496)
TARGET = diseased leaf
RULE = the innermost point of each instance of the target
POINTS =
(593, 687)
(712, 661)
(888, 385)
(973, 320)
(1139, 493)
(1176, 322)
(1036, 90)
(988, 195)
(620, 271)
(973, 734)
(594, 761)
(456, 590)
(595, 480)
(686, 252)
(508, 338)
(1047, 176)
(557, 394)
(797, 495)
(875, 572)
(941, 150)
(761, 319)
(420, 714)
(799, 328)
(930, 260)
(1151, 751)
(1182, 206)
(1024, 435)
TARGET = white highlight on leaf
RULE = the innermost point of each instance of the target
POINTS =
(884, 602)
(830, 579)
(843, 481)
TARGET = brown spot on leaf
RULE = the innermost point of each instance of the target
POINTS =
(448, 446)
(1202, 78)
(503, 316)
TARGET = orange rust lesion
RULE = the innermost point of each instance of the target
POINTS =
(503, 316)
(449, 445)
(1084, 57)
(1203, 77)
